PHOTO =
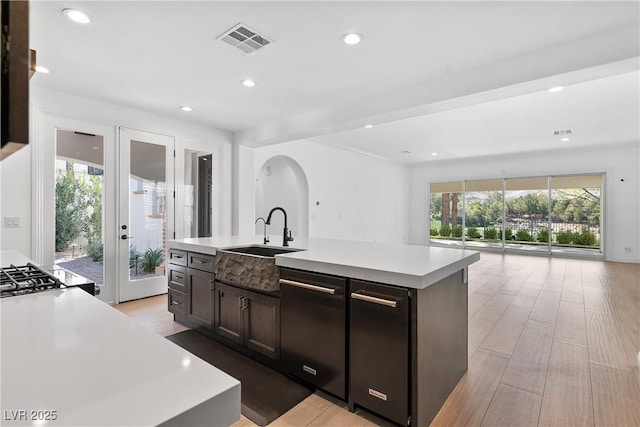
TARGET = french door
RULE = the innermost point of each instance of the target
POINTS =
(146, 206)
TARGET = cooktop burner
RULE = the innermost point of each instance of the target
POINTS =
(26, 279)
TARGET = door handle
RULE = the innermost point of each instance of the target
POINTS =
(125, 237)
(367, 298)
(308, 286)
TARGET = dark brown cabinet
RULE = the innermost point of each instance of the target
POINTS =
(248, 318)
(200, 294)
(191, 281)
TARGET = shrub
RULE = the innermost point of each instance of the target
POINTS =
(523, 236)
(151, 259)
(585, 238)
(96, 251)
(543, 235)
(445, 230)
(472, 233)
(564, 237)
(457, 231)
(490, 233)
(69, 210)
(508, 233)
(433, 232)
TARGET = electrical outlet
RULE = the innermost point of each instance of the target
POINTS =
(11, 222)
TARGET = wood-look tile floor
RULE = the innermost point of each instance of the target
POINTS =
(552, 342)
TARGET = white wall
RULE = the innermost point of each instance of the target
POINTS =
(15, 200)
(619, 162)
(276, 185)
(352, 196)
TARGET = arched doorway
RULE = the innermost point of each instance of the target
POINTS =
(282, 182)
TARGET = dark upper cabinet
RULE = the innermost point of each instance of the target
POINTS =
(17, 62)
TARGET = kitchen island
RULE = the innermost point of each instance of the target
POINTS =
(69, 359)
(381, 326)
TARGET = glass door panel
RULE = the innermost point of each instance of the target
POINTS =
(146, 209)
(79, 195)
(483, 213)
(527, 214)
(446, 213)
(576, 206)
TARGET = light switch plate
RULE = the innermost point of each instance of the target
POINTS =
(11, 222)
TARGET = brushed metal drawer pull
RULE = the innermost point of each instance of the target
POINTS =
(379, 395)
(176, 302)
(177, 277)
(308, 370)
(308, 286)
(176, 256)
(374, 300)
(200, 261)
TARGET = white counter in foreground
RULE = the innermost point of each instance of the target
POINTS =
(69, 354)
(411, 266)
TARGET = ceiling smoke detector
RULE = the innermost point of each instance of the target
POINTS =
(244, 38)
(562, 132)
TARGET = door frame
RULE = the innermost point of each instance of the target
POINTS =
(45, 125)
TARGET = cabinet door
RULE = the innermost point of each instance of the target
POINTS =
(201, 298)
(228, 312)
(379, 349)
(261, 328)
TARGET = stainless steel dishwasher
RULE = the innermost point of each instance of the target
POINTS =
(379, 348)
(313, 328)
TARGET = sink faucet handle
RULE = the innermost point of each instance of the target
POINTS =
(266, 239)
(290, 238)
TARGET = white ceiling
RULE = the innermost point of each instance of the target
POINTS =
(471, 74)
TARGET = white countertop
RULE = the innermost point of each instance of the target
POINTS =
(68, 352)
(411, 266)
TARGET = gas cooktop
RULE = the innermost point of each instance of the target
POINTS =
(26, 279)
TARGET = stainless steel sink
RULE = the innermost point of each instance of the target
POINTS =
(252, 267)
(260, 250)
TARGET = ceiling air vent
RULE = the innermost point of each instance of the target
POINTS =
(562, 132)
(244, 38)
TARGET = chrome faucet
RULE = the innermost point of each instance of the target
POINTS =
(285, 238)
(266, 239)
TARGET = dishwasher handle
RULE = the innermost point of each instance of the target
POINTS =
(375, 300)
(308, 286)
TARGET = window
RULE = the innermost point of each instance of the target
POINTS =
(559, 214)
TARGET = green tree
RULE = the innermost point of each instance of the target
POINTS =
(69, 210)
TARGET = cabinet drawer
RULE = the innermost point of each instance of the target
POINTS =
(177, 303)
(200, 262)
(177, 257)
(178, 278)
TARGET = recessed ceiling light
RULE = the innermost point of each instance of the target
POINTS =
(248, 83)
(565, 139)
(95, 147)
(186, 108)
(368, 126)
(555, 89)
(41, 69)
(434, 154)
(76, 16)
(352, 38)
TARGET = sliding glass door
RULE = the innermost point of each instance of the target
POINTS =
(548, 214)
